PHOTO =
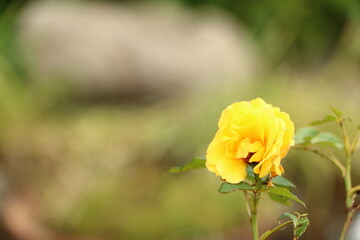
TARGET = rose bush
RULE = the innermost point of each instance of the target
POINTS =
(250, 132)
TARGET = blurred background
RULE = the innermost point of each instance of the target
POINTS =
(98, 99)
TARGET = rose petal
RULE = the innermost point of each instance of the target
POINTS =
(232, 170)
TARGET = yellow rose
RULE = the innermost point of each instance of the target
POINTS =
(250, 132)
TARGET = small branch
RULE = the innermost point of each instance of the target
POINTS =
(331, 158)
(247, 199)
(269, 233)
(347, 176)
(350, 211)
(355, 142)
(357, 208)
(345, 137)
(349, 217)
(353, 191)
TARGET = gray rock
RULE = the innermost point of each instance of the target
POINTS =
(122, 50)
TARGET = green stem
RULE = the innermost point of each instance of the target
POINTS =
(254, 217)
(347, 178)
(248, 204)
(349, 199)
(269, 233)
(281, 226)
(254, 209)
(354, 144)
(354, 191)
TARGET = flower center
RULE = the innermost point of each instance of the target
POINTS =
(247, 149)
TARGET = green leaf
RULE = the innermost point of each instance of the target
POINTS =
(229, 187)
(279, 199)
(304, 135)
(294, 218)
(301, 227)
(337, 112)
(250, 173)
(282, 181)
(285, 193)
(327, 139)
(300, 223)
(328, 118)
(195, 163)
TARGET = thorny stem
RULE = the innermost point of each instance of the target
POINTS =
(349, 217)
(345, 172)
(348, 187)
